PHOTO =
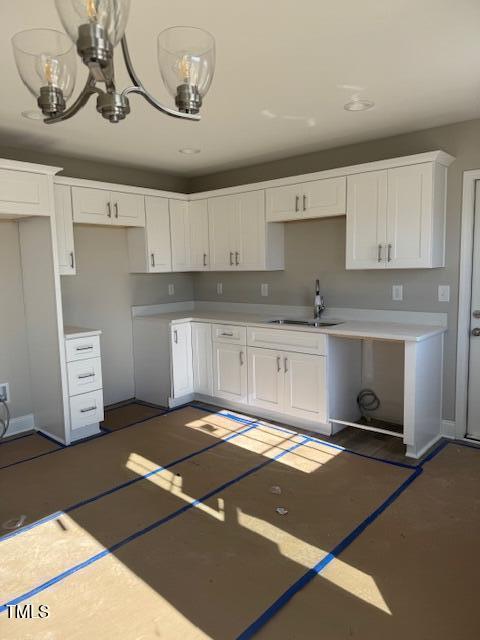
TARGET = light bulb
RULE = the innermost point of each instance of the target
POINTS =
(91, 10)
(49, 70)
(188, 68)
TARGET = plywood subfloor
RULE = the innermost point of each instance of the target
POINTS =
(199, 550)
(23, 448)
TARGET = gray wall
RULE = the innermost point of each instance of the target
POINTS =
(14, 364)
(101, 297)
(317, 248)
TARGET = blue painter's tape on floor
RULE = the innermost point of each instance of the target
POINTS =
(123, 485)
(318, 568)
(155, 525)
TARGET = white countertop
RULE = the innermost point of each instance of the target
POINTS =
(403, 332)
(79, 332)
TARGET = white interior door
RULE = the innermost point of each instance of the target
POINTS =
(159, 253)
(473, 416)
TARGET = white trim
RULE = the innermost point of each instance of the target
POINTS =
(17, 165)
(448, 429)
(123, 188)
(439, 157)
(464, 300)
(411, 452)
(21, 424)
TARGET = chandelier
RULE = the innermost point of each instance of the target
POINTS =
(46, 63)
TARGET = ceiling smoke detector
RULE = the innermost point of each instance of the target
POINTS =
(359, 104)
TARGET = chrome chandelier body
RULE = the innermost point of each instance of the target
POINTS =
(47, 64)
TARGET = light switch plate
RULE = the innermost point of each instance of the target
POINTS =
(219, 288)
(264, 289)
(171, 289)
(444, 293)
(397, 292)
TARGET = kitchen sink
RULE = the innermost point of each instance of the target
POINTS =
(304, 323)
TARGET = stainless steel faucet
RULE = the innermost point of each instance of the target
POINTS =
(319, 305)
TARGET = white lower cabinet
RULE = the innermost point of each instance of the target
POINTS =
(202, 358)
(305, 386)
(182, 370)
(230, 372)
(290, 383)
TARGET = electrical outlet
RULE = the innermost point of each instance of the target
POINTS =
(5, 391)
(219, 288)
(397, 292)
(443, 293)
(171, 289)
(264, 289)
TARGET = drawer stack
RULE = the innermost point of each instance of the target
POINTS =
(85, 386)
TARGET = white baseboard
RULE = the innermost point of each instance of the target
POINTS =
(448, 429)
(21, 424)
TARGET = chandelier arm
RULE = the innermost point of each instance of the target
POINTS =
(89, 90)
(140, 89)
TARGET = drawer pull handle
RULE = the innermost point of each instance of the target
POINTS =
(152, 258)
(175, 336)
(89, 348)
(379, 253)
(116, 209)
(297, 204)
(72, 260)
(231, 258)
(226, 334)
(204, 259)
(279, 364)
(285, 364)
(89, 409)
(109, 209)
(237, 258)
(83, 376)
(242, 361)
(389, 253)
(304, 202)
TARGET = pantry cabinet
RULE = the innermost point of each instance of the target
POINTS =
(100, 206)
(149, 248)
(64, 230)
(240, 238)
(315, 199)
(396, 218)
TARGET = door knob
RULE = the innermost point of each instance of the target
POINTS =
(476, 332)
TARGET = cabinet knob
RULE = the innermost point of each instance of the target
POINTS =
(476, 332)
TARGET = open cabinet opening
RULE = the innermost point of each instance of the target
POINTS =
(367, 385)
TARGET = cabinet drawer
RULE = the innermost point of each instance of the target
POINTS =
(86, 409)
(84, 376)
(82, 348)
(229, 333)
(297, 341)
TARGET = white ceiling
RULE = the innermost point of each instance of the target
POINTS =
(419, 60)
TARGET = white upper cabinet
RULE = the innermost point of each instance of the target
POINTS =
(100, 206)
(24, 194)
(128, 209)
(315, 199)
(198, 235)
(149, 249)
(64, 229)
(240, 238)
(366, 220)
(189, 229)
(396, 218)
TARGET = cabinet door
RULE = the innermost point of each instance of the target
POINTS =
(198, 235)
(182, 373)
(305, 386)
(229, 372)
(24, 194)
(324, 198)
(64, 227)
(222, 232)
(409, 218)
(202, 358)
(284, 203)
(159, 253)
(91, 206)
(266, 379)
(250, 235)
(180, 235)
(366, 220)
(128, 209)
